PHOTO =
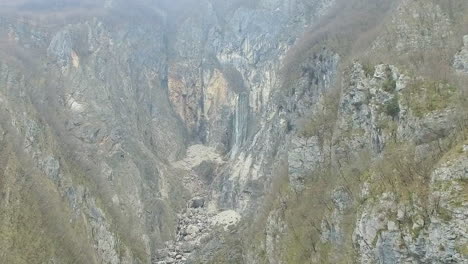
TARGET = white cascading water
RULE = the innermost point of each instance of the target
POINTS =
(240, 123)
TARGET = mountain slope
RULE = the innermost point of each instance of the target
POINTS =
(299, 131)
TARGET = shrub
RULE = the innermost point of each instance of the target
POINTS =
(322, 123)
(369, 69)
(389, 86)
(392, 107)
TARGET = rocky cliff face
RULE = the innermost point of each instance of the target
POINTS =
(214, 131)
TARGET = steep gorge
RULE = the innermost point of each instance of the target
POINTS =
(269, 131)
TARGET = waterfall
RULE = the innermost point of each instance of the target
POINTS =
(240, 123)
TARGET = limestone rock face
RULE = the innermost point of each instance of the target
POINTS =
(230, 132)
(462, 57)
(435, 239)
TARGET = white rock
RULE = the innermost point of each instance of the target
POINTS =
(392, 226)
(192, 230)
(227, 218)
(400, 214)
(418, 223)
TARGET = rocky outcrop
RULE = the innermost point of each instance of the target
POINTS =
(462, 57)
(394, 232)
(240, 133)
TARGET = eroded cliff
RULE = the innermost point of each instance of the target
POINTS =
(298, 131)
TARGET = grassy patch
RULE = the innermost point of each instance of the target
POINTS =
(463, 249)
(424, 97)
(444, 214)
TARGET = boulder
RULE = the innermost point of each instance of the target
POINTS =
(197, 202)
(192, 230)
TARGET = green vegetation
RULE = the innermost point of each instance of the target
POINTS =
(444, 214)
(36, 225)
(456, 151)
(306, 212)
(463, 249)
(392, 107)
(22, 231)
(369, 69)
(301, 243)
(423, 97)
(389, 86)
(400, 172)
(322, 123)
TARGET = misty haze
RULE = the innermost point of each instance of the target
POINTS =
(233, 131)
